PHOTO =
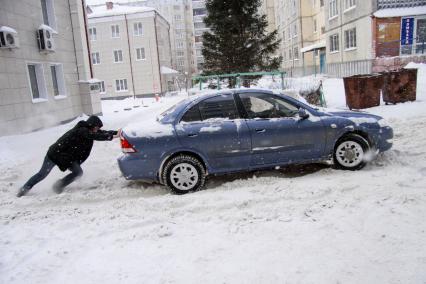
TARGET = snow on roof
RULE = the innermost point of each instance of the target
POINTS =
(8, 30)
(167, 70)
(117, 9)
(102, 2)
(90, 81)
(317, 45)
(400, 12)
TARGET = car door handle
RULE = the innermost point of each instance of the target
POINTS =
(260, 130)
(192, 135)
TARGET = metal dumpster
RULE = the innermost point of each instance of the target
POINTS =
(399, 86)
(363, 91)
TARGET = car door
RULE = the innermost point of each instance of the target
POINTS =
(213, 127)
(278, 134)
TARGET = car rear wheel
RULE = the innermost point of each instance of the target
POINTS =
(183, 174)
(350, 152)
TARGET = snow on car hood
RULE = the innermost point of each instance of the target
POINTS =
(150, 128)
(357, 117)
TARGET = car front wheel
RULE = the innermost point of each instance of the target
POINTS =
(183, 174)
(350, 152)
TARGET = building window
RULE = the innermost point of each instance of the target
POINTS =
(96, 59)
(121, 85)
(315, 26)
(322, 3)
(179, 44)
(178, 17)
(137, 29)
(57, 73)
(36, 80)
(349, 4)
(334, 43)
(181, 63)
(290, 54)
(294, 30)
(92, 34)
(118, 56)
(140, 53)
(102, 87)
(115, 31)
(350, 38)
(180, 53)
(332, 8)
(296, 53)
(48, 12)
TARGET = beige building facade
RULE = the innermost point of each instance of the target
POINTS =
(130, 50)
(44, 79)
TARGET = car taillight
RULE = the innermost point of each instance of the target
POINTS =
(126, 147)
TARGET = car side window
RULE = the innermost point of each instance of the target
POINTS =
(258, 105)
(218, 107)
(191, 115)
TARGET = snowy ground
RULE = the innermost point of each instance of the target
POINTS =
(309, 224)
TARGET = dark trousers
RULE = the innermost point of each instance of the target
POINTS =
(47, 166)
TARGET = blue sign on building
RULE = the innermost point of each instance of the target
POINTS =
(407, 31)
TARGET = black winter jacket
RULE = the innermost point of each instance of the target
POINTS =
(75, 145)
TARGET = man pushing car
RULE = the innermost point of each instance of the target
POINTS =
(69, 152)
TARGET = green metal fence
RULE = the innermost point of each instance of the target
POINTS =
(239, 77)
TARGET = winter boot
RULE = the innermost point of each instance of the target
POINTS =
(22, 191)
(58, 186)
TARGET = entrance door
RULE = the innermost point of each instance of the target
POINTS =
(322, 62)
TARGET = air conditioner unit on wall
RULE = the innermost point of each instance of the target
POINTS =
(45, 39)
(8, 38)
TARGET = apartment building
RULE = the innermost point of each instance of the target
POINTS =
(130, 50)
(199, 12)
(298, 24)
(178, 13)
(349, 34)
(45, 76)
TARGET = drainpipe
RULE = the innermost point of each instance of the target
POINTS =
(301, 37)
(87, 36)
(158, 53)
(130, 56)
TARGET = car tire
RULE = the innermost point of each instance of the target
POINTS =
(350, 152)
(183, 174)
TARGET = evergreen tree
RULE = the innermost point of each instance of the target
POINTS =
(238, 40)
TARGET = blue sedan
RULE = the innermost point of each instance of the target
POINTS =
(245, 130)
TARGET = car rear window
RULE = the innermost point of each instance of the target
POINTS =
(218, 107)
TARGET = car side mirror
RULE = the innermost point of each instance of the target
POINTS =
(303, 114)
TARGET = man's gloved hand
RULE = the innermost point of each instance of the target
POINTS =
(113, 133)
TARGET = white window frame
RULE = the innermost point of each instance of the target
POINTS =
(121, 86)
(93, 36)
(315, 26)
(137, 29)
(139, 52)
(296, 52)
(333, 10)
(102, 89)
(349, 5)
(41, 82)
(115, 31)
(60, 80)
(96, 58)
(117, 56)
(350, 39)
(50, 12)
(334, 42)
